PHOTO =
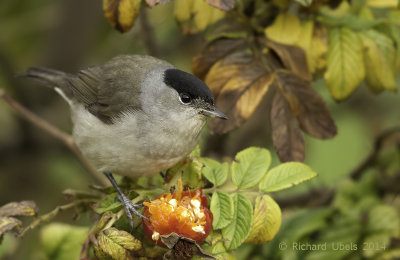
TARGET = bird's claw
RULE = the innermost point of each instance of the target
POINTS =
(131, 208)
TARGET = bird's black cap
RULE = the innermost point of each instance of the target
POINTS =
(184, 82)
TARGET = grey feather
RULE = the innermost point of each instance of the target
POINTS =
(103, 90)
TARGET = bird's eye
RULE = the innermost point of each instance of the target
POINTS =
(185, 98)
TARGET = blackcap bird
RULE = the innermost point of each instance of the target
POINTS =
(134, 116)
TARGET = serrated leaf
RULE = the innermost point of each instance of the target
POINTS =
(266, 220)
(222, 209)
(286, 134)
(22, 208)
(195, 15)
(239, 229)
(61, 241)
(215, 172)
(8, 224)
(121, 14)
(379, 61)
(285, 29)
(285, 176)
(344, 70)
(118, 243)
(250, 166)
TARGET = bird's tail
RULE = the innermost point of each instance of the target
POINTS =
(50, 78)
(55, 79)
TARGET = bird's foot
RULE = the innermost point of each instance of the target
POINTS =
(130, 208)
(126, 203)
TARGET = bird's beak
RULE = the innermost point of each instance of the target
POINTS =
(214, 113)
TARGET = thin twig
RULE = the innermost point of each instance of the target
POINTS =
(371, 158)
(51, 214)
(45, 126)
(148, 33)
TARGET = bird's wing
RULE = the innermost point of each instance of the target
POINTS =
(104, 96)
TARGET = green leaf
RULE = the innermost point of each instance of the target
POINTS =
(117, 243)
(22, 208)
(110, 203)
(192, 174)
(384, 219)
(266, 220)
(250, 167)
(238, 230)
(345, 69)
(215, 172)
(286, 175)
(61, 241)
(222, 209)
(380, 61)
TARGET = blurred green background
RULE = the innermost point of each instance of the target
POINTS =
(73, 34)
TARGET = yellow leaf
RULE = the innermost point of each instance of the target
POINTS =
(223, 70)
(285, 29)
(383, 3)
(182, 9)
(250, 99)
(305, 42)
(319, 47)
(267, 219)
(121, 14)
(379, 56)
(195, 15)
(345, 69)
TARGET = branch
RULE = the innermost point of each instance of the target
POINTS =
(53, 131)
(313, 198)
(371, 158)
(148, 33)
(51, 214)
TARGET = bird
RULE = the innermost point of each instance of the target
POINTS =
(135, 115)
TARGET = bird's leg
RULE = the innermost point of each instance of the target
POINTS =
(127, 203)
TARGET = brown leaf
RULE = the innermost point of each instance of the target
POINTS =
(223, 70)
(310, 109)
(23, 208)
(121, 14)
(241, 95)
(286, 134)
(183, 247)
(214, 51)
(7, 224)
(225, 5)
(292, 57)
(152, 3)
